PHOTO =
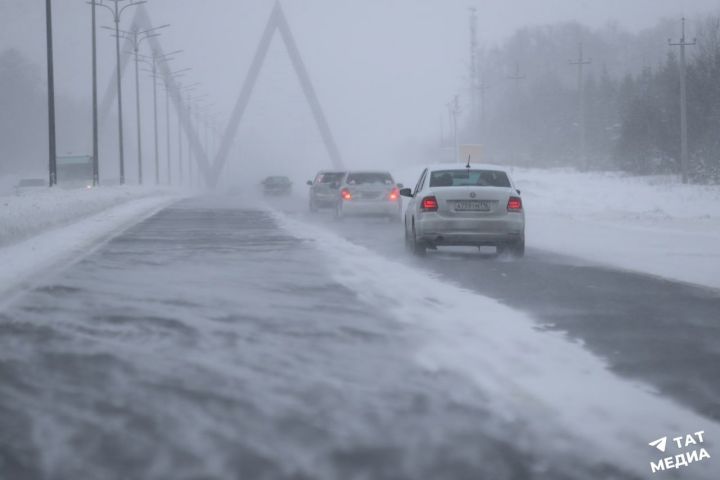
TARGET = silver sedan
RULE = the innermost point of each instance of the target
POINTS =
(465, 206)
(369, 193)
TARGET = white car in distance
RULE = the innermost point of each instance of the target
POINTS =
(464, 206)
(369, 193)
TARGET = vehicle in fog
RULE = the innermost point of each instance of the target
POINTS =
(372, 193)
(324, 190)
(277, 185)
(75, 171)
(464, 206)
(26, 185)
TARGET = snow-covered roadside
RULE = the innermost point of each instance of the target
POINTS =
(63, 230)
(567, 400)
(652, 225)
(26, 215)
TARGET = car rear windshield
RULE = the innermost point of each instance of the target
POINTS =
(369, 177)
(330, 177)
(277, 180)
(465, 178)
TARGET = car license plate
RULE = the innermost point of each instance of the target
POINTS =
(368, 195)
(472, 206)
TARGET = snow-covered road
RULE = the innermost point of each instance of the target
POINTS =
(220, 339)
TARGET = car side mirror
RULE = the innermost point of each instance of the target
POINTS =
(400, 185)
(518, 191)
(309, 183)
(406, 192)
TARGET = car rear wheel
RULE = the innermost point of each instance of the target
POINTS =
(515, 249)
(339, 212)
(408, 240)
(518, 249)
(311, 205)
(418, 247)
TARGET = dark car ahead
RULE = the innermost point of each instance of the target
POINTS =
(277, 185)
(324, 190)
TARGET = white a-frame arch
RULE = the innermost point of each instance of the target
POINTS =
(277, 22)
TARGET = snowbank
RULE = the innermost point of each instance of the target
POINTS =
(45, 229)
(652, 225)
(564, 397)
(33, 212)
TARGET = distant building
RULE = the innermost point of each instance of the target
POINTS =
(75, 171)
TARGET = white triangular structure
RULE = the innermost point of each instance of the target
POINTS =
(277, 22)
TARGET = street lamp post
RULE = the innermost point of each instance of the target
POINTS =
(136, 36)
(176, 74)
(96, 149)
(180, 113)
(196, 110)
(189, 159)
(153, 61)
(52, 163)
(117, 14)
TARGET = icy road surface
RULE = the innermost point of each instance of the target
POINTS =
(209, 342)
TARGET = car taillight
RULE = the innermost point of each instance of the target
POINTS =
(429, 204)
(394, 194)
(514, 204)
(345, 194)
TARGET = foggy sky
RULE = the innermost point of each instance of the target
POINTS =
(383, 69)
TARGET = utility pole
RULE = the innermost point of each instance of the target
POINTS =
(482, 88)
(95, 147)
(52, 163)
(683, 103)
(454, 110)
(473, 70)
(117, 13)
(516, 77)
(580, 63)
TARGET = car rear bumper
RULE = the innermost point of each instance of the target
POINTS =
(277, 190)
(359, 207)
(438, 230)
(326, 201)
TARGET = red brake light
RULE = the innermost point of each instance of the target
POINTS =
(514, 204)
(394, 194)
(345, 194)
(429, 204)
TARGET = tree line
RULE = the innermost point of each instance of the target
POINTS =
(24, 121)
(631, 99)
